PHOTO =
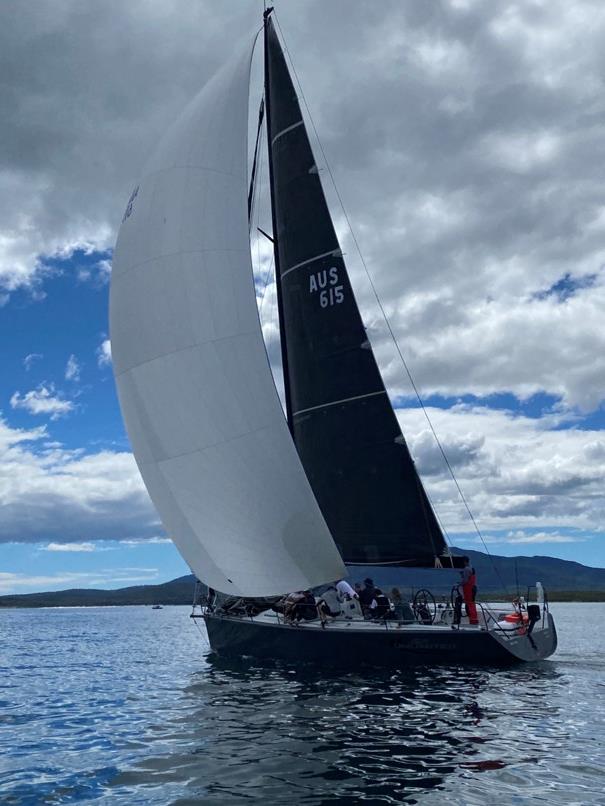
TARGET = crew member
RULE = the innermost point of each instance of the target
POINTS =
(349, 599)
(469, 590)
(366, 597)
(345, 591)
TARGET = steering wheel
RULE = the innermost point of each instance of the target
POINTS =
(424, 606)
(454, 596)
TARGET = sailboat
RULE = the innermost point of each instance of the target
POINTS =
(260, 504)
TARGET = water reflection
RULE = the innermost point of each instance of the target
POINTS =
(328, 737)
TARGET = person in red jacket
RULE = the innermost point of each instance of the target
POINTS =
(469, 590)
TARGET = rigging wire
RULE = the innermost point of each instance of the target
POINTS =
(383, 312)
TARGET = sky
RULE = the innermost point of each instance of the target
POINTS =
(466, 140)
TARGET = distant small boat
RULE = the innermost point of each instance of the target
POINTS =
(157, 607)
(258, 504)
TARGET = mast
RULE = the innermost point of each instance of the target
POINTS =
(261, 115)
(278, 284)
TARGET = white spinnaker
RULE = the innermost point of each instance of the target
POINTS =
(195, 388)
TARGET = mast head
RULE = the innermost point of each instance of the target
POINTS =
(267, 12)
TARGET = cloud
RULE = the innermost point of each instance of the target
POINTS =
(463, 137)
(472, 195)
(70, 547)
(524, 475)
(72, 369)
(30, 359)
(42, 400)
(542, 537)
(98, 274)
(155, 540)
(87, 120)
(104, 353)
(56, 495)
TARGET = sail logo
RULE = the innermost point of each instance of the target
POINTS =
(128, 210)
(326, 283)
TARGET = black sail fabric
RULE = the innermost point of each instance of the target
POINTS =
(342, 422)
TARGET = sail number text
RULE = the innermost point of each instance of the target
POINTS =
(326, 282)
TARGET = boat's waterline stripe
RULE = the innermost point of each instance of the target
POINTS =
(337, 402)
(286, 130)
(331, 253)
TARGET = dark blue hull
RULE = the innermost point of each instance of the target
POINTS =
(231, 636)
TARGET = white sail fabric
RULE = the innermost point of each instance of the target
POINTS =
(195, 387)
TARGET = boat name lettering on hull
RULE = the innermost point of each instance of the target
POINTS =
(424, 645)
(326, 282)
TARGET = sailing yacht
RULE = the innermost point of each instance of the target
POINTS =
(260, 504)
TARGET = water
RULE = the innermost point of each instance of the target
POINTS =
(125, 706)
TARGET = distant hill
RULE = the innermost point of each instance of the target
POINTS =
(495, 575)
(554, 574)
(178, 591)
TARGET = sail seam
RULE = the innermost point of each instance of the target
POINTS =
(185, 166)
(336, 402)
(178, 253)
(203, 448)
(187, 347)
(332, 252)
(286, 130)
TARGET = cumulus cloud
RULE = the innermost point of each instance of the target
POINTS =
(77, 547)
(464, 155)
(463, 137)
(43, 400)
(59, 496)
(104, 353)
(72, 369)
(91, 91)
(98, 274)
(522, 476)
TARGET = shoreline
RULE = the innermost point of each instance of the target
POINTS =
(572, 597)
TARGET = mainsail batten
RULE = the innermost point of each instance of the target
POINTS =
(195, 388)
(345, 430)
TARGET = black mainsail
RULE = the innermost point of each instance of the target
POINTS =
(339, 413)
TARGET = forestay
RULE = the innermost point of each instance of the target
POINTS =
(196, 392)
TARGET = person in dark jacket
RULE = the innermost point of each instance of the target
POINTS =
(382, 605)
(305, 609)
(366, 596)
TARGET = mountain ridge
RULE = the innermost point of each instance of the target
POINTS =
(495, 573)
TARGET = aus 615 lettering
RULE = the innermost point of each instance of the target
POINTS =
(326, 283)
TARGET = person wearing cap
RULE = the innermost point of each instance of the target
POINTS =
(366, 597)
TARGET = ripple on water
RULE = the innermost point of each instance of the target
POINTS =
(127, 708)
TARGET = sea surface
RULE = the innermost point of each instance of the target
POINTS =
(127, 706)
